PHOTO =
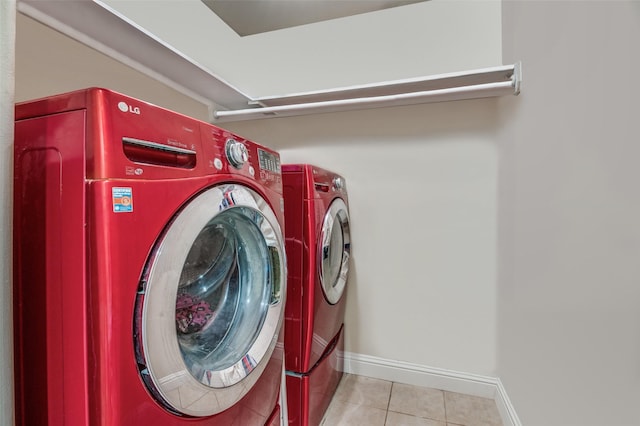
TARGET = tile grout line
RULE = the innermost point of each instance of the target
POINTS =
(444, 402)
(386, 413)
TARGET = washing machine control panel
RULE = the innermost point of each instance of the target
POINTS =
(237, 153)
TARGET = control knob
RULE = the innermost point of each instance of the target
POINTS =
(338, 183)
(237, 153)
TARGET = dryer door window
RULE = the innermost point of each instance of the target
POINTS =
(335, 250)
(210, 304)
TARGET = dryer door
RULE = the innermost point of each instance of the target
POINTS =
(334, 251)
(210, 303)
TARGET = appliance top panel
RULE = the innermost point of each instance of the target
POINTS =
(132, 139)
(319, 182)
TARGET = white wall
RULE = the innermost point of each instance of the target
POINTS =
(422, 183)
(7, 59)
(568, 215)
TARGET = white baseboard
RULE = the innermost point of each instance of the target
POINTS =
(420, 375)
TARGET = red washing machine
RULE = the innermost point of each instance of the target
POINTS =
(318, 248)
(149, 266)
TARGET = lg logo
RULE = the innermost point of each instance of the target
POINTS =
(124, 107)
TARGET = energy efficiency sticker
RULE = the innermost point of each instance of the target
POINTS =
(122, 199)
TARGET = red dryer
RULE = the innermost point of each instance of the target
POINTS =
(318, 247)
(149, 268)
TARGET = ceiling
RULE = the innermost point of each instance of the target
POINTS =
(247, 17)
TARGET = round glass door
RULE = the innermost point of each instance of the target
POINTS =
(335, 250)
(210, 302)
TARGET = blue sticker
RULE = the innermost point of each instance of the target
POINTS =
(122, 200)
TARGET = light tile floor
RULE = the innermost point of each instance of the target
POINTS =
(363, 401)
